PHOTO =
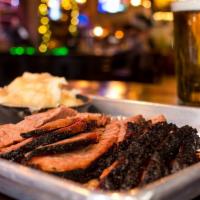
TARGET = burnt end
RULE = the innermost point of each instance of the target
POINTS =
(93, 171)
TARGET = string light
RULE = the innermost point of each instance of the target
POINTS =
(73, 27)
(44, 20)
(55, 10)
(62, 51)
(43, 48)
(66, 4)
(146, 3)
(43, 10)
(81, 1)
(136, 2)
(18, 51)
(44, 27)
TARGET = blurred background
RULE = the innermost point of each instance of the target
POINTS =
(127, 40)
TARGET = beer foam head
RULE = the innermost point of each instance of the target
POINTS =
(186, 5)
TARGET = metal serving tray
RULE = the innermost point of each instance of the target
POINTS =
(24, 183)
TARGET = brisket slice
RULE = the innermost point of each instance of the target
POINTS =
(124, 131)
(187, 151)
(63, 163)
(51, 126)
(159, 164)
(93, 171)
(127, 174)
(145, 147)
(132, 131)
(10, 133)
(98, 120)
(67, 145)
(14, 147)
(105, 161)
(108, 170)
(49, 138)
(39, 119)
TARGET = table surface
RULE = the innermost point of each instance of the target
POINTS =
(163, 92)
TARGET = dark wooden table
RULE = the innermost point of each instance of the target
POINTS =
(163, 92)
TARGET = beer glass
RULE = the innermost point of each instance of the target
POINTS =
(187, 50)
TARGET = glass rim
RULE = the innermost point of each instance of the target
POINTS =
(185, 5)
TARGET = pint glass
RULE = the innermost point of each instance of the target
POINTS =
(187, 50)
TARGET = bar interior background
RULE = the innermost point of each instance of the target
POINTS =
(128, 40)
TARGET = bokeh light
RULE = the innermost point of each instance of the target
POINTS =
(72, 29)
(119, 34)
(66, 4)
(43, 9)
(146, 3)
(44, 20)
(81, 1)
(43, 48)
(136, 2)
(98, 31)
(42, 29)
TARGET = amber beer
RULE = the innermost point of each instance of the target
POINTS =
(187, 49)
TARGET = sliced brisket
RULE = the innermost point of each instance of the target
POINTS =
(67, 145)
(98, 120)
(49, 138)
(187, 151)
(10, 133)
(84, 158)
(111, 155)
(127, 174)
(90, 162)
(51, 126)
